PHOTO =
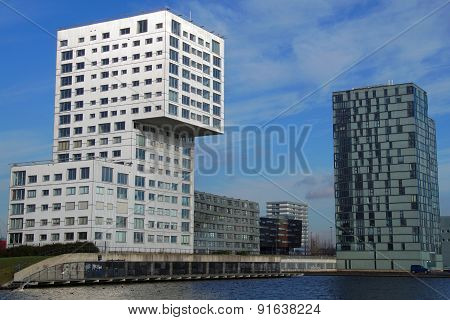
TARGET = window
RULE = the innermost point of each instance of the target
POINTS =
(70, 191)
(140, 154)
(217, 86)
(119, 126)
(185, 240)
(122, 178)
(216, 98)
(142, 26)
(173, 69)
(17, 209)
(19, 178)
(83, 205)
(65, 94)
(122, 193)
(186, 61)
(139, 223)
(176, 27)
(216, 123)
(16, 224)
(83, 220)
(104, 128)
(121, 222)
(84, 173)
(117, 139)
(69, 221)
(185, 100)
(32, 179)
(65, 68)
(215, 47)
(64, 132)
(117, 153)
(66, 55)
(173, 55)
(173, 42)
(138, 237)
(173, 82)
(173, 109)
(186, 188)
(105, 35)
(185, 201)
(185, 113)
(173, 96)
(63, 157)
(185, 226)
(124, 31)
(71, 174)
(66, 81)
(185, 213)
(84, 190)
(121, 236)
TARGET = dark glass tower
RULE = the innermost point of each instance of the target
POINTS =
(386, 182)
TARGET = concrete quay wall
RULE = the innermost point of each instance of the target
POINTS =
(84, 266)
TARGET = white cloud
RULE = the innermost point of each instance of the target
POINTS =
(281, 50)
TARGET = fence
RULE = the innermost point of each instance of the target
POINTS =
(114, 270)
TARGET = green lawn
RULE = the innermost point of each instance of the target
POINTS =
(8, 266)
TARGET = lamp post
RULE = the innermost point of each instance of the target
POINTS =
(331, 237)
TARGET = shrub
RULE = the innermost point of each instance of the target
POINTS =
(50, 249)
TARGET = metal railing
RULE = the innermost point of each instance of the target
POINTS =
(144, 250)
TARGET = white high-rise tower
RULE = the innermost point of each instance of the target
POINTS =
(131, 95)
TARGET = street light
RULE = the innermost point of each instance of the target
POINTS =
(331, 237)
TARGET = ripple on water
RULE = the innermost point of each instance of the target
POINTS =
(297, 288)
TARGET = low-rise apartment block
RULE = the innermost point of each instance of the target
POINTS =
(224, 224)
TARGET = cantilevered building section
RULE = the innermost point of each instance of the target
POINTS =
(292, 210)
(386, 182)
(131, 96)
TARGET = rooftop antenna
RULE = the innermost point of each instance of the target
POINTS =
(190, 15)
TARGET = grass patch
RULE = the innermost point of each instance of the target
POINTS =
(8, 266)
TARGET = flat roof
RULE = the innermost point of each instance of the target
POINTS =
(223, 196)
(380, 86)
(135, 15)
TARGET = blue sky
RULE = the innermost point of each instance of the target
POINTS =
(277, 51)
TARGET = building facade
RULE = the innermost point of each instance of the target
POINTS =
(445, 236)
(280, 235)
(386, 183)
(224, 224)
(292, 210)
(131, 96)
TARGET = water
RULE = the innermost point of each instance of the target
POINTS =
(299, 288)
